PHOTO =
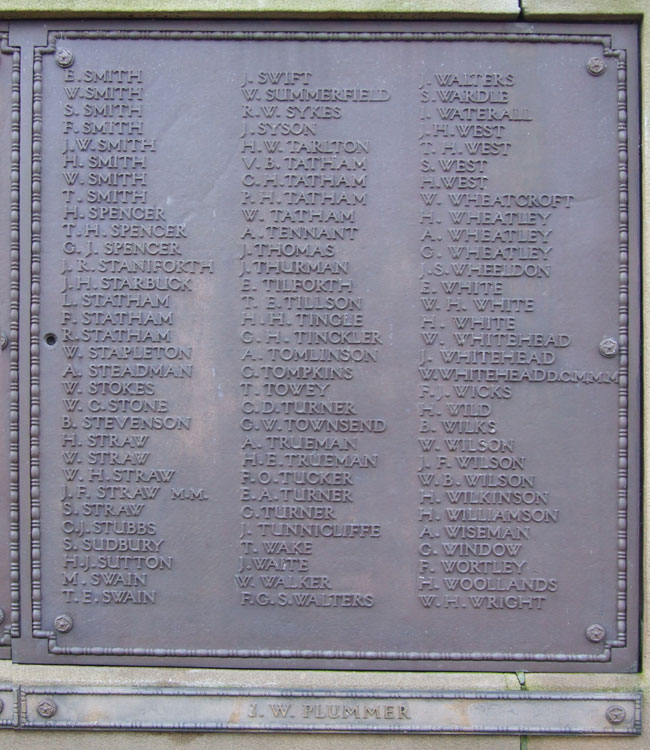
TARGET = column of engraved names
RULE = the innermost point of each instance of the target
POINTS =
(305, 336)
(485, 254)
(124, 267)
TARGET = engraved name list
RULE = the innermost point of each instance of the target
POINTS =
(315, 385)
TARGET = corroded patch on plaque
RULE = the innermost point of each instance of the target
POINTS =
(333, 351)
(9, 140)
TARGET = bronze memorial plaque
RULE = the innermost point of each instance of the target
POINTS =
(334, 355)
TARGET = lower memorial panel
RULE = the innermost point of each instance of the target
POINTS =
(340, 711)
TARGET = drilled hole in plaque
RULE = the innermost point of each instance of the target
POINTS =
(50, 339)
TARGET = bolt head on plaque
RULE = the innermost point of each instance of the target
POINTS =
(595, 633)
(64, 58)
(46, 708)
(615, 714)
(2, 616)
(63, 623)
(2, 705)
(608, 347)
(596, 66)
(4, 341)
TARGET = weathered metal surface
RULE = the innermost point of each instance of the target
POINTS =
(339, 711)
(9, 124)
(8, 707)
(335, 334)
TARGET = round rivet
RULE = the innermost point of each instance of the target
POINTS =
(595, 633)
(608, 347)
(63, 623)
(596, 66)
(615, 714)
(2, 705)
(2, 616)
(46, 708)
(4, 341)
(64, 58)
